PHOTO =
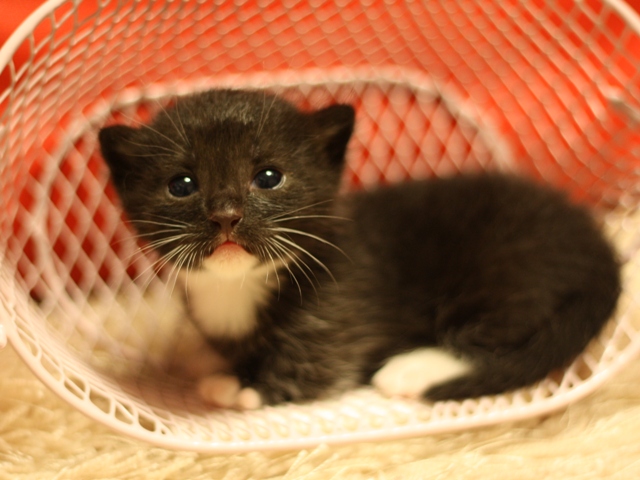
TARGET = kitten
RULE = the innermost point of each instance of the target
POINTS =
(439, 289)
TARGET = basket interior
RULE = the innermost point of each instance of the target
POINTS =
(551, 92)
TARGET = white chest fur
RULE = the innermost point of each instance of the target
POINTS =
(224, 295)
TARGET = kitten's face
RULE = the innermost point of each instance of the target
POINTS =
(228, 169)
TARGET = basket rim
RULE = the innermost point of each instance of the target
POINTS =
(627, 13)
(7, 52)
(26, 27)
(513, 414)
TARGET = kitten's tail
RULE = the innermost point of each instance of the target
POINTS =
(497, 372)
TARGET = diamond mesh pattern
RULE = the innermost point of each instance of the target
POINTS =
(548, 89)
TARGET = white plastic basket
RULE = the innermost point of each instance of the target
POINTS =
(548, 89)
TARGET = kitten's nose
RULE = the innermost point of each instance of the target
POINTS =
(227, 221)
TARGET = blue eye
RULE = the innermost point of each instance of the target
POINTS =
(182, 186)
(268, 179)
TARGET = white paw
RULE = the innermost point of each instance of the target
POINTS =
(411, 374)
(225, 391)
(199, 361)
(248, 399)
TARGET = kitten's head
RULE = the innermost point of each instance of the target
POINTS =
(229, 167)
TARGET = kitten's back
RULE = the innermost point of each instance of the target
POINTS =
(502, 272)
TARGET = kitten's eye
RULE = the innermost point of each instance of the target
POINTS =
(268, 179)
(182, 186)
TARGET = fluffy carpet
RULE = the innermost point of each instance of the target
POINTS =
(42, 437)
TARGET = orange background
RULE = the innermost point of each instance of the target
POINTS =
(13, 12)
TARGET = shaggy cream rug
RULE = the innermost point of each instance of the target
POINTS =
(42, 437)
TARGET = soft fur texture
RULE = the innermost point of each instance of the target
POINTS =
(505, 274)
(43, 438)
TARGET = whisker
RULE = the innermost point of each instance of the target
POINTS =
(266, 278)
(144, 125)
(259, 130)
(280, 215)
(286, 265)
(188, 262)
(167, 149)
(297, 217)
(197, 256)
(151, 154)
(161, 242)
(264, 116)
(184, 130)
(275, 269)
(156, 232)
(315, 237)
(262, 253)
(174, 270)
(179, 252)
(176, 223)
(172, 276)
(295, 260)
(295, 245)
(156, 266)
(150, 267)
(182, 135)
(172, 238)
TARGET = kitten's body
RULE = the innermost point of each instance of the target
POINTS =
(479, 283)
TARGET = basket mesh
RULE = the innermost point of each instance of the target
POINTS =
(548, 89)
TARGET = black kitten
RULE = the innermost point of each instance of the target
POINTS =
(444, 289)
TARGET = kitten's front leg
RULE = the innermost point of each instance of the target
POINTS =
(298, 363)
(198, 361)
(303, 361)
(226, 391)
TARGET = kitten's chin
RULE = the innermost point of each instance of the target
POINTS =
(230, 260)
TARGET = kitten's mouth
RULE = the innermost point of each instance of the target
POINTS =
(230, 258)
(228, 247)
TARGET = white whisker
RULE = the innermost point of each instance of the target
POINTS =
(159, 243)
(298, 217)
(315, 237)
(181, 133)
(144, 155)
(175, 266)
(295, 260)
(264, 116)
(157, 232)
(144, 125)
(176, 223)
(275, 268)
(156, 265)
(289, 269)
(147, 146)
(295, 245)
(282, 214)
(190, 261)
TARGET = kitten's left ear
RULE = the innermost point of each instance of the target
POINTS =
(116, 145)
(336, 126)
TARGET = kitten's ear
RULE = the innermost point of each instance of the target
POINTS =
(336, 126)
(117, 147)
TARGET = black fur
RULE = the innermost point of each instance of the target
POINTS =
(502, 272)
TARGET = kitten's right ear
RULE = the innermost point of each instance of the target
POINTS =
(118, 148)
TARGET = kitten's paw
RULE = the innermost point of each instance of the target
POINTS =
(225, 391)
(220, 390)
(200, 362)
(411, 374)
(192, 357)
(248, 399)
